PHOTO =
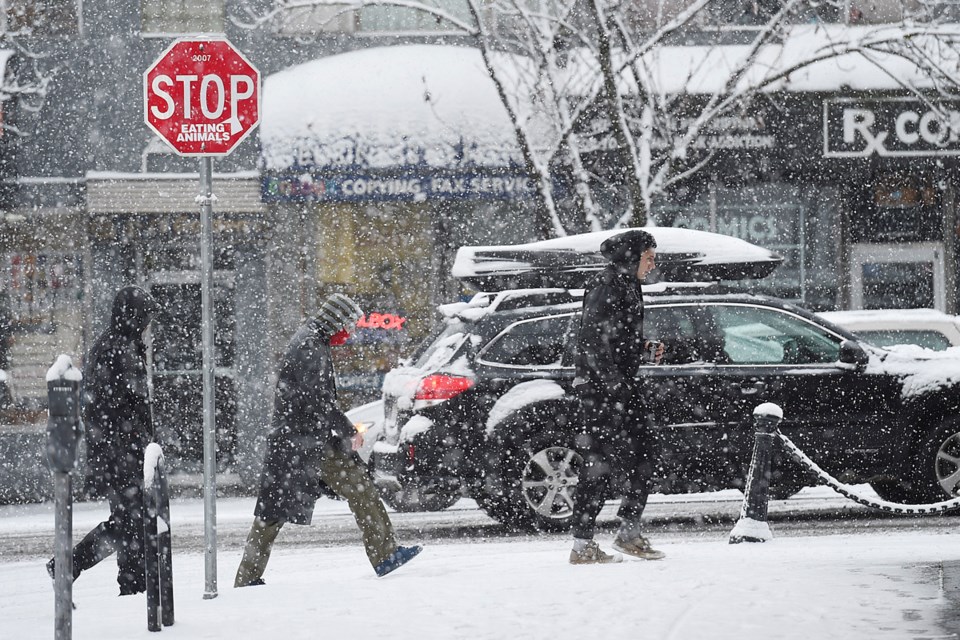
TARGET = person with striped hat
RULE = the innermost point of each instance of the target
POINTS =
(311, 449)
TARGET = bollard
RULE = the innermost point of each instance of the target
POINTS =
(752, 525)
(158, 556)
(64, 431)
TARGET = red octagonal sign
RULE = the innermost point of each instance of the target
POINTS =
(202, 97)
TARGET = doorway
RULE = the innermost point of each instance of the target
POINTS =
(177, 357)
(906, 275)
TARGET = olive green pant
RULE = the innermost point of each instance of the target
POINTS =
(350, 480)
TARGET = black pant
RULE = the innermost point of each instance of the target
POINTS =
(123, 533)
(619, 451)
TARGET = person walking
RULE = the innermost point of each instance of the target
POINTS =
(312, 446)
(615, 440)
(118, 425)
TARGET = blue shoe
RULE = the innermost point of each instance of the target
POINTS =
(398, 558)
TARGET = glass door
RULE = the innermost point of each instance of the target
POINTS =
(906, 275)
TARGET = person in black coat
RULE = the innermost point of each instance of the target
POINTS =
(616, 440)
(118, 427)
(312, 447)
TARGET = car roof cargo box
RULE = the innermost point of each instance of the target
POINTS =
(683, 255)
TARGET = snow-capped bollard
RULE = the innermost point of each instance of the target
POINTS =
(752, 525)
(158, 555)
(64, 431)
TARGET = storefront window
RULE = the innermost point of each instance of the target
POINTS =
(382, 255)
(42, 289)
(163, 17)
(41, 17)
(782, 218)
(401, 20)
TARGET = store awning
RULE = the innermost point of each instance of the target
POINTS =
(404, 105)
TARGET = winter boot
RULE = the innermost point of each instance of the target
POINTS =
(397, 559)
(593, 554)
(637, 546)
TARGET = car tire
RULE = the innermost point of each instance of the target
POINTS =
(533, 478)
(413, 498)
(934, 473)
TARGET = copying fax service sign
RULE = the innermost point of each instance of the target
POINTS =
(894, 127)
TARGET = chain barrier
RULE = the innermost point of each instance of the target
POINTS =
(847, 491)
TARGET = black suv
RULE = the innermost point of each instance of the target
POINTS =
(485, 406)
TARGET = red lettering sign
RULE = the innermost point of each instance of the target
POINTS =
(387, 321)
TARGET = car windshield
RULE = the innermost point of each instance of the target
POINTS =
(927, 338)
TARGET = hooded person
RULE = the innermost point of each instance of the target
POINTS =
(118, 426)
(311, 449)
(615, 439)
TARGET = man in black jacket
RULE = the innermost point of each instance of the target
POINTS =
(616, 440)
(312, 445)
(118, 427)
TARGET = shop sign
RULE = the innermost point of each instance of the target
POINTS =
(388, 321)
(312, 187)
(725, 132)
(895, 127)
(380, 328)
(763, 227)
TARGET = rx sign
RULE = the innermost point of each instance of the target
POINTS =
(202, 97)
(896, 126)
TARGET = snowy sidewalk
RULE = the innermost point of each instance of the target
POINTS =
(868, 586)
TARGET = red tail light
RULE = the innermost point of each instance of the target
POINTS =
(442, 387)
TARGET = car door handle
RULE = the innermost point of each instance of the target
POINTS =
(752, 388)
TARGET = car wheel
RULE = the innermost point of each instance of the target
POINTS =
(416, 498)
(535, 482)
(935, 471)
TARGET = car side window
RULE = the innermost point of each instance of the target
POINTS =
(529, 343)
(683, 332)
(760, 335)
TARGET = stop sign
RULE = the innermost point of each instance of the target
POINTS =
(202, 97)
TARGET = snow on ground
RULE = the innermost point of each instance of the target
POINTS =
(865, 586)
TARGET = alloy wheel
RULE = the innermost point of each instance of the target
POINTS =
(549, 480)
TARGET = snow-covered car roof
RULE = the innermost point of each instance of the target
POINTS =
(886, 327)
(683, 255)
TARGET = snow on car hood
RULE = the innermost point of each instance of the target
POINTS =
(683, 255)
(921, 370)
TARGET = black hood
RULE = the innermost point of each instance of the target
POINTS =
(133, 308)
(625, 249)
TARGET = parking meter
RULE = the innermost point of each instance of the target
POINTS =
(64, 428)
(63, 435)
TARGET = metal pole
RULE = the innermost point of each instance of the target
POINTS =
(209, 428)
(63, 537)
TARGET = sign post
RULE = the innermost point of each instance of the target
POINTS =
(202, 97)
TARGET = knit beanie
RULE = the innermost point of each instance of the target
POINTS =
(337, 312)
